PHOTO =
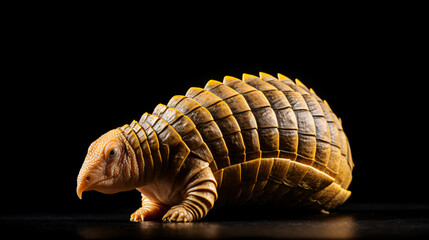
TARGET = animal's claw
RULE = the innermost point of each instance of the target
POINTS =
(137, 216)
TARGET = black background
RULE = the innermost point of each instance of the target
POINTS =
(74, 73)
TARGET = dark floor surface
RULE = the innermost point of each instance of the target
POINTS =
(408, 221)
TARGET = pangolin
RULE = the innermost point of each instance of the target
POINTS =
(256, 141)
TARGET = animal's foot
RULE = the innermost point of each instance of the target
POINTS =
(178, 214)
(139, 215)
(148, 212)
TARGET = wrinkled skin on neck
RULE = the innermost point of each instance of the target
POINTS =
(110, 166)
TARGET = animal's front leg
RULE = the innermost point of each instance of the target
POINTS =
(199, 199)
(148, 211)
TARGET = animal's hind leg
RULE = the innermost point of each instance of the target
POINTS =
(198, 199)
(194, 207)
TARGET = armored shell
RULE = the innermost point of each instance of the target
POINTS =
(267, 140)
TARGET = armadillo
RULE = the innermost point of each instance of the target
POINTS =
(256, 141)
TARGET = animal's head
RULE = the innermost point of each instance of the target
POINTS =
(110, 165)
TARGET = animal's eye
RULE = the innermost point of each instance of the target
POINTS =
(113, 153)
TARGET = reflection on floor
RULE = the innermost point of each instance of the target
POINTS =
(350, 221)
